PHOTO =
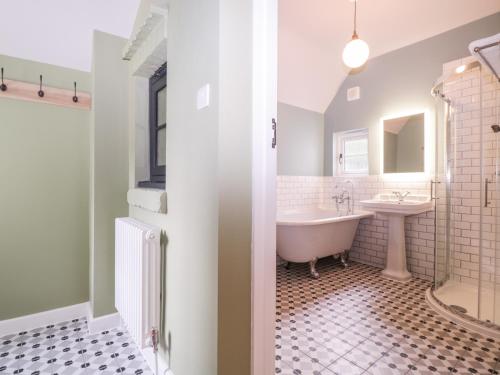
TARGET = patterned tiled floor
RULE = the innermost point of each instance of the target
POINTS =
(353, 321)
(67, 348)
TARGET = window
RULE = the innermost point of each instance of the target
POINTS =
(351, 152)
(157, 129)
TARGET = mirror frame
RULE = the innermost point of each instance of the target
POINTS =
(428, 144)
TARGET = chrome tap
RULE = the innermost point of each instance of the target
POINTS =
(401, 196)
(350, 208)
(341, 199)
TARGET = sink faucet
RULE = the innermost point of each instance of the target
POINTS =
(401, 196)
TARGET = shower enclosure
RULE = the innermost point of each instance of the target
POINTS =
(465, 189)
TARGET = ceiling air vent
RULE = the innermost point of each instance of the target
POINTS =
(353, 93)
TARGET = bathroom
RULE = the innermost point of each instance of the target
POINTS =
(386, 196)
(249, 187)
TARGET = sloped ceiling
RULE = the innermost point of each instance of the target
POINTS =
(312, 35)
(59, 32)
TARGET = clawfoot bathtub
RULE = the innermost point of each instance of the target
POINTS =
(305, 235)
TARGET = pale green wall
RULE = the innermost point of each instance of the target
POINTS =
(396, 82)
(191, 223)
(44, 177)
(301, 138)
(109, 164)
(234, 186)
(208, 224)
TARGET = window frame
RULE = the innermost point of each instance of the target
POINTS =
(339, 140)
(157, 82)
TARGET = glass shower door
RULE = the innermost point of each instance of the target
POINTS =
(489, 309)
(440, 196)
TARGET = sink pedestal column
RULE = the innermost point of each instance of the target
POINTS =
(396, 251)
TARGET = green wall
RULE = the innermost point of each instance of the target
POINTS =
(301, 137)
(108, 166)
(207, 307)
(44, 178)
(398, 81)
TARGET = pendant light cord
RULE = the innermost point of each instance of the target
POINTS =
(355, 35)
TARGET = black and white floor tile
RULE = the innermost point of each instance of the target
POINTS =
(353, 321)
(67, 348)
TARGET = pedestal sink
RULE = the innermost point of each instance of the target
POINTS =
(396, 210)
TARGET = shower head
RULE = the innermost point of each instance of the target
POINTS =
(495, 128)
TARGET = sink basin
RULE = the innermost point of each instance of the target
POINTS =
(396, 211)
(411, 205)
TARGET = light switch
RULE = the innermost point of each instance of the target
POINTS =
(203, 97)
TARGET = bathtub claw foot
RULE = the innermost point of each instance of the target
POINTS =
(287, 265)
(344, 257)
(312, 268)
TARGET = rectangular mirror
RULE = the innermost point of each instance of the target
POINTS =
(404, 144)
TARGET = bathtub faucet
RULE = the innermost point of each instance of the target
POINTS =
(342, 198)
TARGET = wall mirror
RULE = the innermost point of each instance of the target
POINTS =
(404, 144)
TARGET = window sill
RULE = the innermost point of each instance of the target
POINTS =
(151, 199)
(151, 185)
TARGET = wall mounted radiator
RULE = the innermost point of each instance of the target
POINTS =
(137, 279)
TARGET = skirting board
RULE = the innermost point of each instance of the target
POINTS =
(29, 322)
(102, 323)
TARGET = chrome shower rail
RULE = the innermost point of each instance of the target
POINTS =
(478, 50)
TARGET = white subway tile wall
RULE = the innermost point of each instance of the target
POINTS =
(466, 193)
(370, 243)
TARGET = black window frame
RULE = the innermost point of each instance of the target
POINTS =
(157, 82)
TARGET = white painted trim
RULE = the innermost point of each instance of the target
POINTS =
(154, 200)
(264, 171)
(29, 322)
(102, 323)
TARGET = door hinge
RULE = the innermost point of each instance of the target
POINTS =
(273, 143)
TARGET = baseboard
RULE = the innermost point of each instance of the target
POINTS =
(44, 318)
(102, 323)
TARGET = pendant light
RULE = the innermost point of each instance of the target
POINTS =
(356, 52)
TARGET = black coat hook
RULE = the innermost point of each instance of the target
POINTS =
(41, 93)
(3, 86)
(75, 98)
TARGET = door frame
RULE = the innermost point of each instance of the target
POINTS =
(264, 172)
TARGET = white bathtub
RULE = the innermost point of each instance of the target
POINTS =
(304, 235)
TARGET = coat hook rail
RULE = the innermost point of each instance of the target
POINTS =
(41, 93)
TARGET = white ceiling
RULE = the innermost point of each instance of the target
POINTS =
(313, 33)
(59, 32)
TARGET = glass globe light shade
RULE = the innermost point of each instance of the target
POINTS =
(355, 53)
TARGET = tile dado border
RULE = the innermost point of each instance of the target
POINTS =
(370, 242)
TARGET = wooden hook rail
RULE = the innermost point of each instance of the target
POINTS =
(51, 95)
